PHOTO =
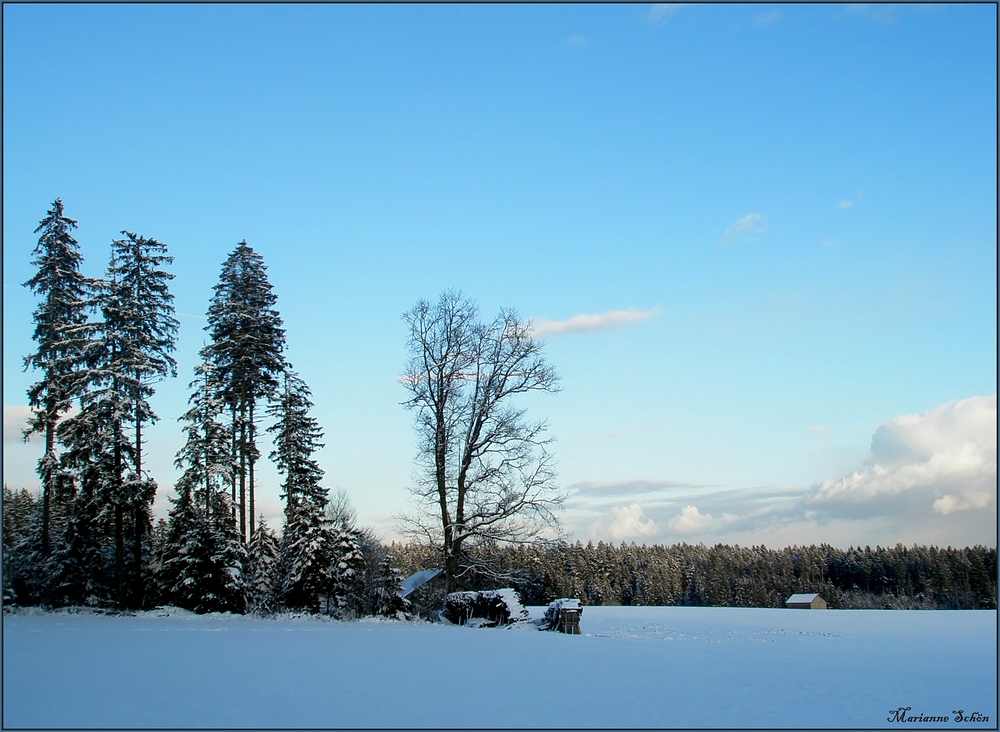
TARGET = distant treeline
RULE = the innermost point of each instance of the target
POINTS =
(899, 577)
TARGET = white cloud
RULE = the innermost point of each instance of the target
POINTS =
(754, 223)
(15, 420)
(576, 41)
(689, 521)
(845, 204)
(661, 13)
(944, 459)
(585, 323)
(629, 523)
(816, 429)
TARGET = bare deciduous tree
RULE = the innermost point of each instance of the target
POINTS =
(485, 474)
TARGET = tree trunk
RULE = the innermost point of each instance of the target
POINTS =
(451, 567)
(440, 464)
(120, 555)
(48, 487)
(243, 469)
(232, 457)
(252, 455)
(139, 585)
(119, 519)
(138, 589)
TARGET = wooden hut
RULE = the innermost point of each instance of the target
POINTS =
(806, 601)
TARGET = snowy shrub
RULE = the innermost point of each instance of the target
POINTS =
(486, 609)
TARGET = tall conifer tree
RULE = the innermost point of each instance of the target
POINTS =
(60, 324)
(127, 353)
(246, 349)
(140, 308)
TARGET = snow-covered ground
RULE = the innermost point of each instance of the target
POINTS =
(633, 667)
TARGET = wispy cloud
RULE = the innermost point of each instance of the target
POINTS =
(661, 13)
(817, 430)
(587, 323)
(845, 204)
(877, 13)
(576, 41)
(754, 223)
(594, 489)
(766, 18)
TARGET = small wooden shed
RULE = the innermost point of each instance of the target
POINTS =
(806, 601)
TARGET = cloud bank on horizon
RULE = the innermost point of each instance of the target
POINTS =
(930, 478)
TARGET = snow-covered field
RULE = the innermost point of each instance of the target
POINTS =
(633, 667)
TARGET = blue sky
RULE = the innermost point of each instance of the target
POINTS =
(783, 219)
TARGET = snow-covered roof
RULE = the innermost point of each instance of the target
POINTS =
(802, 597)
(567, 603)
(419, 579)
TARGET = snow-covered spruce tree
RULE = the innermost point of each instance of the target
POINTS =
(262, 583)
(77, 574)
(229, 556)
(18, 508)
(23, 563)
(306, 557)
(202, 559)
(157, 548)
(247, 340)
(206, 455)
(138, 308)
(97, 450)
(347, 575)
(174, 564)
(98, 447)
(59, 321)
(307, 544)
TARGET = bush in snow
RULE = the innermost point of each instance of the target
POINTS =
(486, 609)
